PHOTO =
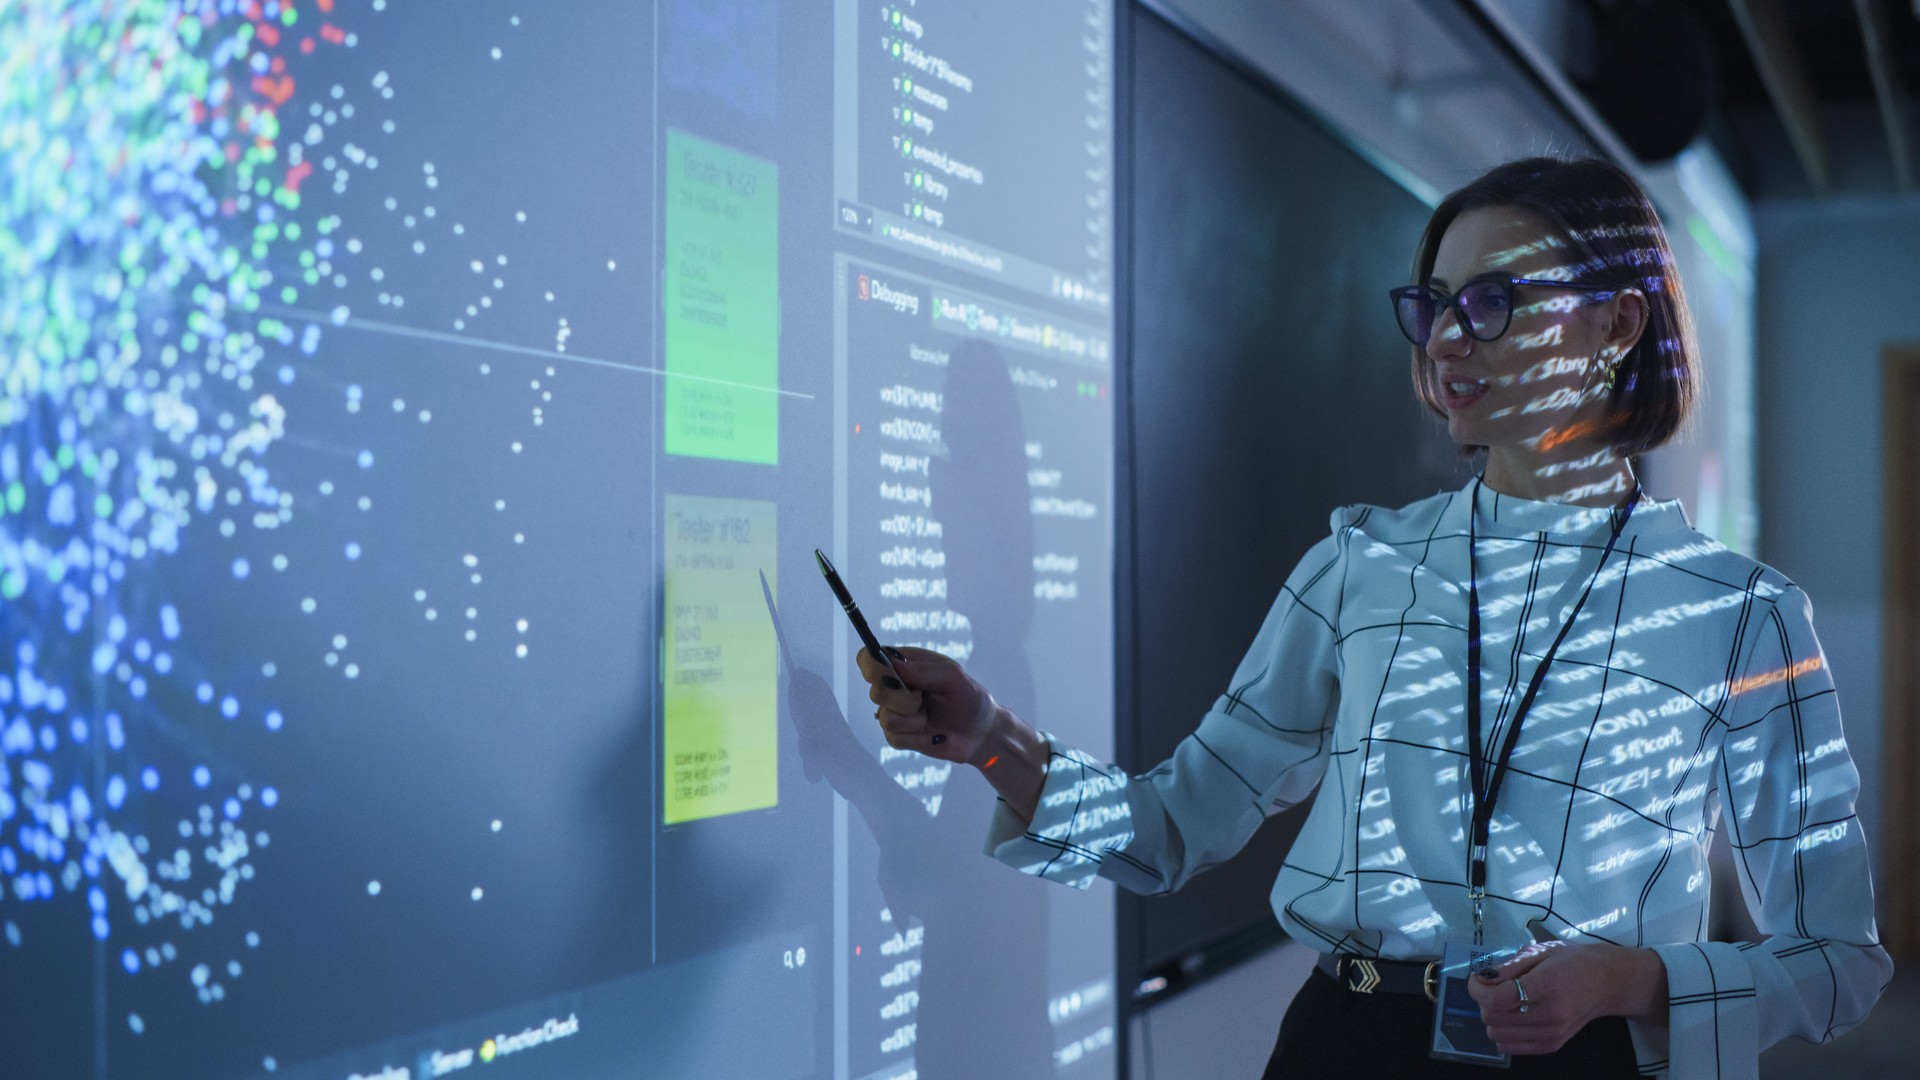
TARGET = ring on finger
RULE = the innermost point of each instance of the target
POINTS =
(1525, 1001)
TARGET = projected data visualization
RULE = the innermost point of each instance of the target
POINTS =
(987, 151)
(401, 408)
(977, 498)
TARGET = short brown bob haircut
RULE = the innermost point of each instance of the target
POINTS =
(1613, 239)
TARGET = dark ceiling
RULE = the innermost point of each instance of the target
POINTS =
(1649, 65)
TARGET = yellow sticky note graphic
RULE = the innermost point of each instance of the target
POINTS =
(721, 674)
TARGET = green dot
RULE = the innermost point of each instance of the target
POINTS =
(103, 506)
(12, 585)
(293, 230)
(64, 456)
(289, 16)
(16, 496)
(289, 294)
(312, 277)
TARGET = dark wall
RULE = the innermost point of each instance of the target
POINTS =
(1269, 386)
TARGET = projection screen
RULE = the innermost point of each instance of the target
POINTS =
(403, 405)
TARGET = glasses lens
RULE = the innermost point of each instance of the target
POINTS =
(1414, 308)
(1488, 305)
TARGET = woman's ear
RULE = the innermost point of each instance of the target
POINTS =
(1625, 320)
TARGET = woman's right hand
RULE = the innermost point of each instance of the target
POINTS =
(935, 708)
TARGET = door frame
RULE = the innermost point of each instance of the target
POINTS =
(1900, 649)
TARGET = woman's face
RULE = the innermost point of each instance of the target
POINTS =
(1536, 387)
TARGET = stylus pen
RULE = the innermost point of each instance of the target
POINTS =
(852, 609)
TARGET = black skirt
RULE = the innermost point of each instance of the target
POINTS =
(1330, 1031)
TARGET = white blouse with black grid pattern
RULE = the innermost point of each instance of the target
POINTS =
(1690, 684)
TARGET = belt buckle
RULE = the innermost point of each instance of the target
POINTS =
(1362, 976)
(1430, 982)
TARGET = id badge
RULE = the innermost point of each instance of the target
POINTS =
(1458, 1033)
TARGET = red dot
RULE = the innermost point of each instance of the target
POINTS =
(856, 950)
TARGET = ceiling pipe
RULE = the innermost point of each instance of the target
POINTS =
(1770, 40)
(1893, 103)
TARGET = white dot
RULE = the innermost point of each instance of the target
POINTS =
(471, 635)
(476, 579)
(496, 52)
(308, 605)
(516, 446)
(521, 626)
(520, 650)
(432, 614)
(519, 538)
(425, 416)
(519, 215)
(333, 658)
(339, 641)
(496, 824)
(373, 888)
(610, 264)
(279, 562)
(477, 893)
(419, 595)
(473, 613)
(352, 671)
(499, 504)
(470, 559)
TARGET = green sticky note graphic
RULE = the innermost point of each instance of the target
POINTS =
(721, 303)
(721, 698)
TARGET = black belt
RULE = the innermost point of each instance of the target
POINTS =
(1366, 975)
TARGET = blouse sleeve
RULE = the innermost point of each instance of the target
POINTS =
(1260, 749)
(1787, 787)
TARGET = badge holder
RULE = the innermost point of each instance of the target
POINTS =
(1458, 1033)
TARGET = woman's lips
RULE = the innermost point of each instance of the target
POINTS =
(1458, 392)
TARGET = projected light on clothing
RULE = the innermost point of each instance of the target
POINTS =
(1628, 764)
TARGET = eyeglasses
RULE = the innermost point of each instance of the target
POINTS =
(1484, 305)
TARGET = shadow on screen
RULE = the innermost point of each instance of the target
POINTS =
(983, 983)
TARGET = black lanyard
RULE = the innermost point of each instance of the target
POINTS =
(1488, 775)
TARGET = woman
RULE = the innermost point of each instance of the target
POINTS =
(1531, 700)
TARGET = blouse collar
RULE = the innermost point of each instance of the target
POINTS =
(1510, 512)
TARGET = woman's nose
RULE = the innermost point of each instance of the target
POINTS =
(1448, 339)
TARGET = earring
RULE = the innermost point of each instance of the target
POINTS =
(1613, 373)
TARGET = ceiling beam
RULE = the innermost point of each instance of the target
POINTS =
(1893, 102)
(1770, 39)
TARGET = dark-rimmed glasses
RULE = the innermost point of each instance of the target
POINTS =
(1484, 305)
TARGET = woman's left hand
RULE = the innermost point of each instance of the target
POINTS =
(1567, 987)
